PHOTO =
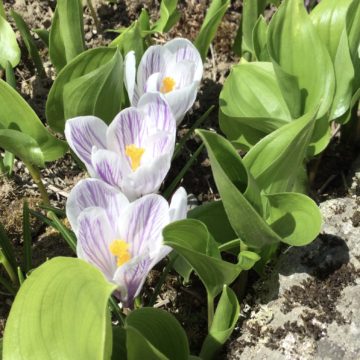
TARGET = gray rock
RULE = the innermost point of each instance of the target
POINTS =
(308, 305)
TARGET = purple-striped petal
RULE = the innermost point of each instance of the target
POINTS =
(110, 167)
(153, 83)
(82, 134)
(94, 236)
(128, 128)
(178, 205)
(185, 50)
(94, 193)
(130, 74)
(155, 106)
(182, 100)
(183, 73)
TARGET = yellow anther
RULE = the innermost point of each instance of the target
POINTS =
(120, 249)
(134, 153)
(168, 85)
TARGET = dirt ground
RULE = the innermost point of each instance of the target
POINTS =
(185, 301)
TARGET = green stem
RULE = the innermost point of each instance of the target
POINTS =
(8, 268)
(2, 166)
(162, 279)
(21, 277)
(94, 16)
(59, 226)
(210, 306)
(35, 174)
(116, 310)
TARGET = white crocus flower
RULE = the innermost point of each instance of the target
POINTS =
(174, 69)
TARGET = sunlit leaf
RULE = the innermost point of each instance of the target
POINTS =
(169, 16)
(60, 312)
(9, 48)
(259, 38)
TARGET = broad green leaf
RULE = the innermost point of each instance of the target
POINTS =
(155, 334)
(134, 37)
(208, 29)
(169, 16)
(9, 48)
(22, 146)
(295, 217)
(251, 97)
(67, 33)
(259, 38)
(301, 62)
(119, 343)
(235, 185)
(225, 318)
(247, 259)
(213, 215)
(2, 10)
(191, 239)
(60, 312)
(16, 114)
(274, 161)
(102, 70)
(329, 20)
(29, 42)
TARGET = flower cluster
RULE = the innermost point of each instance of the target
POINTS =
(117, 216)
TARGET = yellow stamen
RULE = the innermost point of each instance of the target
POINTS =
(120, 249)
(134, 153)
(168, 85)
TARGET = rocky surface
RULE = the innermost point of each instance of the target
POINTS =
(308, 306)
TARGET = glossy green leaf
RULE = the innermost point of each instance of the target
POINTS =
(274, 161)
(301, 62)
(208, 29)
(238, 192)
(259, 39)
(134, 37)
(29, 42)
(61, 313)
(91, 84)
(225, 318)
(295, 217)
(16, 114)
(67, 33)
(329, 20)
(191, 239)
(155, 334)
(251, 98)
(9, 48)
(169, 16)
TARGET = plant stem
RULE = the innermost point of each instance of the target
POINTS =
(35, 174)
(8, 268)
(210, 307)
(116, 310)
(162, 279)
(94, 16)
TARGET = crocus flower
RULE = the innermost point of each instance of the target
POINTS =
(134, 152)
(174, 69)
(123, 240)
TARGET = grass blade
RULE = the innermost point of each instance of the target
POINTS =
(27, 238)
(7, 247)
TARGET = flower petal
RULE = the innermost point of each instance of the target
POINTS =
(155, 106)
(178, 205)
(150, 63)
(130, 74)
(185, 50)
(89, 193)
(182, 100)
(153, 82)
(84, 132)
(109, 167)
(94, 236)
(182, 72)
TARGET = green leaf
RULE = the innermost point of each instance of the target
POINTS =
(251, 98)
(119, 343)
(61, 313)
(259, 38)
(295, 217)
(169, 16)
(329, 20)
(134, 37)
(225, 318)
(208, 29)
(2, 13)
(301, 62)
(67, 33)
(91, 84)
(238, 191)
(274, 161)
(29, 42)
(44, 35)
(9, 48)
(16, 114)
(22, 145)
(191, 239)
(155, 334)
